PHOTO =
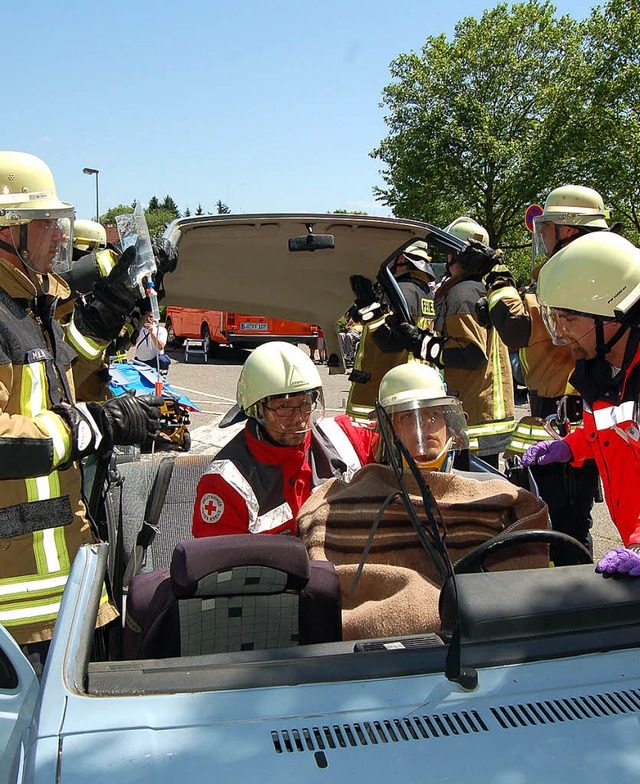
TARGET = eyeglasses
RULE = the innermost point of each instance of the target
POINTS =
(284, 412)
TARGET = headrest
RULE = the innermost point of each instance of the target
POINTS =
(238, 564)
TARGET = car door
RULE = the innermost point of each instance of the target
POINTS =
(18, 693)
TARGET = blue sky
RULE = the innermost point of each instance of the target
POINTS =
(269, 105)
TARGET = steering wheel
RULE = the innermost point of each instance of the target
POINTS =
(576, 552)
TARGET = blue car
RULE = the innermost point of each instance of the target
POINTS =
(232, 667)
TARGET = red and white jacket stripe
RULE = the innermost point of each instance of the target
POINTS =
(254, 486)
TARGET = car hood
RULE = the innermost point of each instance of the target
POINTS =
(243, 263)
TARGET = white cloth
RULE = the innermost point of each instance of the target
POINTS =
(146, 349)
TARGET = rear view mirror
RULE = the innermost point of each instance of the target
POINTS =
(311, 242)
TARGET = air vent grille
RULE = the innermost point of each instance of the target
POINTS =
(593, 706)
(373, 733)
(320, 739)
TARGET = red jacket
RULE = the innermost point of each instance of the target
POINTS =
(610, 434)
(254, 486)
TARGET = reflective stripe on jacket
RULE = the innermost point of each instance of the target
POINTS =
(254, 486)
(42, 517)
(485, 387)
(545, 367)
(610, 434)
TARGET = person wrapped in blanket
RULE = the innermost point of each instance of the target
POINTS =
(397, 589)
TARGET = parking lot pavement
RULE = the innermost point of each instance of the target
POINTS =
(212, 386)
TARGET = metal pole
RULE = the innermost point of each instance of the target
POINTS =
(90, 171)
(97, 206)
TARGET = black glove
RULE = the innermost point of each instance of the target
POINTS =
(96, 427)
(366, 300)
(102, 315)
(166, 255)
(129, 419)
(499, 277)
(420, 342)
(476, 258)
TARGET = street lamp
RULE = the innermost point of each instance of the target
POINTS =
(96, 172)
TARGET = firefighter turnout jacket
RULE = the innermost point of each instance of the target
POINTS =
(371, 363)
(254, 486)
(545, 367)
(476, 365)
(42, 517)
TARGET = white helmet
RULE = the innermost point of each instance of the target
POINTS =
(465, 228)
(568, 205)
(28, 193)
(417, 256)
(278, 370)
(596, 275)
(88, 235)
(413, 394)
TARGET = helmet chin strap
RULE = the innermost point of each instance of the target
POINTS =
(22, 253)
(602, 348)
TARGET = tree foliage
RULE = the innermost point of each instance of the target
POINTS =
(490, 121)
(222, 208)
(611, 115)
(109, 217)
(170, 206)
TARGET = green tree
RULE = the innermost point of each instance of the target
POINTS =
(109, 217)
(611, 115)
(170, 206)
(154, 204)
(187, 212)
(158, 220)
(222, 208)
(349, 212)
(199, 210)
(480, 125)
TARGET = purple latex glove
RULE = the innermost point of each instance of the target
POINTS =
(545, 452)
(620, 561)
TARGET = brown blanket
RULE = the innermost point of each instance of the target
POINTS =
(399, 588)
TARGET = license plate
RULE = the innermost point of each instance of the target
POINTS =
(251, 326)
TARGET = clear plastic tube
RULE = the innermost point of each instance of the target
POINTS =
(153, 301)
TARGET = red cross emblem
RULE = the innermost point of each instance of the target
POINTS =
(211, 507)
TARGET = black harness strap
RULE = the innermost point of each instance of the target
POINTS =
(149, 528)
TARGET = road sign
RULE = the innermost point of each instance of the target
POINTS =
(532, 212)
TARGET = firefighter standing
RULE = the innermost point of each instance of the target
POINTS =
(414, 275)
(43, 433)
(590, 299)
(569, 212)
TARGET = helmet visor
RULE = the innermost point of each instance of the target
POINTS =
(430, 428)
(48, 243)
(566, 326)
(545, 238)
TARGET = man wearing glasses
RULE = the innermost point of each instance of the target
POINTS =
(260, 479)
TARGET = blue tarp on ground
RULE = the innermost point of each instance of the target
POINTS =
(136, 376)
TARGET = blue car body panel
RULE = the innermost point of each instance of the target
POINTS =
(539, 721)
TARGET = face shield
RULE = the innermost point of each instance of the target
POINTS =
(292, 414)
(41, 238)
(546, 234)
(566, 326)
(431, 430)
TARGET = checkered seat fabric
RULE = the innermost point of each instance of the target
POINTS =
(232, 593)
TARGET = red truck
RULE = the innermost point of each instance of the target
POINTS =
(219, 328)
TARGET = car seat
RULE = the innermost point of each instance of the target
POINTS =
(238, 592)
